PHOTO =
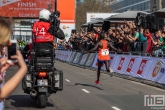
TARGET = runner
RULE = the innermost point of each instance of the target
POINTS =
(103, 55)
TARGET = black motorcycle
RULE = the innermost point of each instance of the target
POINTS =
(42, 78)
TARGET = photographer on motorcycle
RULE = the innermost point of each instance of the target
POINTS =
(44, 32)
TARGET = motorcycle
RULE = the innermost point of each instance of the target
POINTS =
(42, 80)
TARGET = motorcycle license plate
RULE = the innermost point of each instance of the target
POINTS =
(42, 82)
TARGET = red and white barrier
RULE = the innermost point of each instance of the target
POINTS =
(136, 66)
(149, 68)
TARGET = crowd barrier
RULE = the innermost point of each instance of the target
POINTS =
(141, 67)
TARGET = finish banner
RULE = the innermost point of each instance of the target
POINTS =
(24, 8)
(31, 8)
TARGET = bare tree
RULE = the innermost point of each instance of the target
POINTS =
(95, 6)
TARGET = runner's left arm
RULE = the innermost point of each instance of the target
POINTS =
(109, 45)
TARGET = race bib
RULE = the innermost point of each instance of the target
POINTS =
(104, 52)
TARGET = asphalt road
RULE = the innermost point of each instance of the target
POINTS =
(81, 93)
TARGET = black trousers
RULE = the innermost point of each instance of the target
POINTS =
(44, 49)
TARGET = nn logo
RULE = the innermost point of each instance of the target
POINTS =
(154, 100)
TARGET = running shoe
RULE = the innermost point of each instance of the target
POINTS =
(111, 74)
(97, 82)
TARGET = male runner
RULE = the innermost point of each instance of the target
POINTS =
(103, 55)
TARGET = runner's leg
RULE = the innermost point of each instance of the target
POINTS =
(108, 68)
(98, 71)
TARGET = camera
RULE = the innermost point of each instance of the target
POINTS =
(54, 20)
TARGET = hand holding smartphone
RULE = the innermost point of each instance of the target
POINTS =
(11, 51)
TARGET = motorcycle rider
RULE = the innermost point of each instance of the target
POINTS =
(44, 34)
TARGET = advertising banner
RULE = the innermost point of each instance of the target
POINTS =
(77, 57)
(138, 66)
(66, 28)
(144, 68)
(98, 16)
(67, 16)
(72, 57)
(90, 60)
(157, 70)
(84, 59)
(68, 54)
(58, 52)
(24, 8)
(121, 63)
(31, 8)
(61, 55)
(64, 55)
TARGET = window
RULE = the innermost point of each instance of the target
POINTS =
(142, 6)
(136, 6)
(146, 5)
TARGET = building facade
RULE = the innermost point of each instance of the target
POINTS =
(79, 1)
(163, 3)
(120, 6)
(155, 5)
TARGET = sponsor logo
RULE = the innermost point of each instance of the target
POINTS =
(141, 67)
(156, 69)
(64, 27)
(121, 63)
(130, 65)
(92, 16)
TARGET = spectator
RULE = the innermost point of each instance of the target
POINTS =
(156, 41)
(142, 41)
(135, 38)
(126, 37)
(147, 34)
(163, 42)
(11, 84)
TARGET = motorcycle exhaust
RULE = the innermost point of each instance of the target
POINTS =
(33, 93)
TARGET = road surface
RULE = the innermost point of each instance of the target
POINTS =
(81, 93)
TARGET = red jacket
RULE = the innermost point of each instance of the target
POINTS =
(40, 32)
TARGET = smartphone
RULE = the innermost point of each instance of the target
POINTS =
(12, 50)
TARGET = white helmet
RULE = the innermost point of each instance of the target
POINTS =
(44, 14)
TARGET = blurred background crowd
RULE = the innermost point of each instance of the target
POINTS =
(127, 37)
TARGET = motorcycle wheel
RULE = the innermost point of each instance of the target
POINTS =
(41, 100)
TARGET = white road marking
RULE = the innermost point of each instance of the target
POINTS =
(67, 80)
(85, 91)
(115, 108)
